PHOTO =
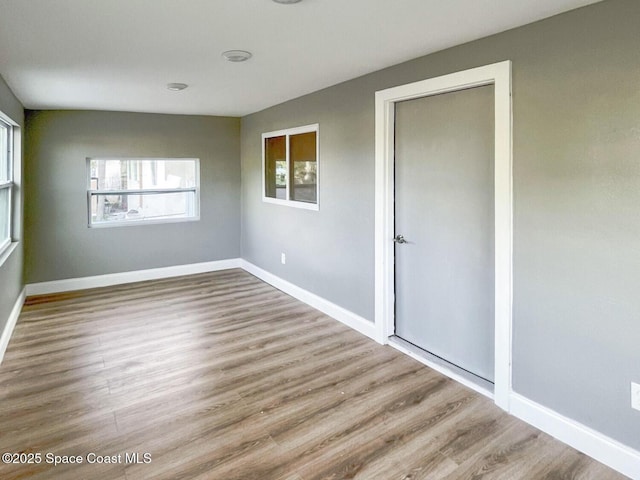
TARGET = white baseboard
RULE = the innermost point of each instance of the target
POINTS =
(11, 323)
(109, 279)
(591, 442)
(343, 315)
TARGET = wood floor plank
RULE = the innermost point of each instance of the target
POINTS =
(220, 376)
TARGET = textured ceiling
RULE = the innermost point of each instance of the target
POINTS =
(120, 54)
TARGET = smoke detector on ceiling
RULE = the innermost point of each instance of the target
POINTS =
(236, 55)
(176, 87)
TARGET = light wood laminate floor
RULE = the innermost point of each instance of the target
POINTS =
(220, 376)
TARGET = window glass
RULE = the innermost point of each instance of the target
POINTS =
(4, 153)
(143, 174)
(275, 151)
(126, 191)
(5, 205)
(6, 184)
(302, 159)
(290, 163)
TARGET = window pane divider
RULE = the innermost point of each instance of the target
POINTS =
(142, 192)
(287, 159)
(8, 184)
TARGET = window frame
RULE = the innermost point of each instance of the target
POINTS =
(144, 191)
(287, 133)
(10, 182)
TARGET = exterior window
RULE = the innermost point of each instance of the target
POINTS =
(131, 191)
(290, 167)
(6, 183)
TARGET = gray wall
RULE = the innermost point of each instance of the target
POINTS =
(59, 244)
(576, 101)
(11, 282)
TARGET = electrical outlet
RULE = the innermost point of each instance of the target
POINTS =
(283, 258)
(635, 396)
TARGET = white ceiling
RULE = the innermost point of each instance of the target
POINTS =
(120, 54)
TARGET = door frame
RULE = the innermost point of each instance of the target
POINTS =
(499, 75)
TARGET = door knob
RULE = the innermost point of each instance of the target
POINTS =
(399, 239)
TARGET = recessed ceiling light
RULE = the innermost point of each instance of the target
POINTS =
(176, 87)
(236, 55)
(287, 2)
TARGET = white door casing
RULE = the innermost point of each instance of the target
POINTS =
(498, 74)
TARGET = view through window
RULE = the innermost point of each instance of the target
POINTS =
(6, 183)
(133, 190)
(290, 166)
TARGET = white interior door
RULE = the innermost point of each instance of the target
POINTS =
(444, 211)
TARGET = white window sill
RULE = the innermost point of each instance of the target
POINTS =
(291, 203)
(6, 253)
(132, 223)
